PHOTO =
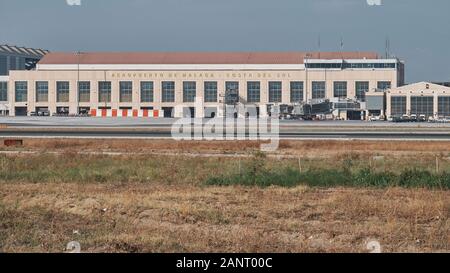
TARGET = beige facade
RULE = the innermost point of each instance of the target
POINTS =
(198, 73)
(178, 77)
(427, 99)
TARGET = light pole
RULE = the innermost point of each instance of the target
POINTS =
(78, 82)
(306, 76)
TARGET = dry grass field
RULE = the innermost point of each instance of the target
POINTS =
(167, 218)
(154, 203)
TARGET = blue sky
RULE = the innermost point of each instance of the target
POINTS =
(419, 30)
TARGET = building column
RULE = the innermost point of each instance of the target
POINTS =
(329, 89)
(435, 106)
(264, 92)
(351, 89)
(31, 94)
(136, 96)
(285, 92)
(408, 104)
(52, 102)
(94, 95)
(388, 105)
(263, 110)
(199, 107)
(73, 97)
(179, 91)
(157, 95)
(178, 111)
(115, 95)
(11, 98)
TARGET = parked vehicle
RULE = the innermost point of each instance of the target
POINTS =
(422, 118)
(406, 118)
(375, 118)
(396, 119)
(440, 119)
(43, 113)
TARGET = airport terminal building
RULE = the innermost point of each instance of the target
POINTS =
(167, 84)
(15, 58)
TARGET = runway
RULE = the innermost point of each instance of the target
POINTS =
(88, 122)
(140, 134)
(132, 128)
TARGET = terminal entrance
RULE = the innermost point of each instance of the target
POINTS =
(168, 112)
(354, 115)
(20, 111)
(4, 110)
(62, 111)
(84, 110)
(42, 111)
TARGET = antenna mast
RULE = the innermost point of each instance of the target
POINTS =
(388, 48)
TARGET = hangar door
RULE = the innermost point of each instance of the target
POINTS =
(422, 106)
(444, 106)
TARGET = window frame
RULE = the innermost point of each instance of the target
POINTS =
(22, 94)
(3, 91)
(254, 91)
(167, 91)
(315, 91)
(275, 92)
(189, 91)
(125, 91)
(210, 91)
(58, 91)
(340, 89)
(299, 91)
(360, 93)
(41, 90)
(104, 91)
(85, 92)
(147, 93)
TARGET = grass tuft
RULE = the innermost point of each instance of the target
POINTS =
(289, 177)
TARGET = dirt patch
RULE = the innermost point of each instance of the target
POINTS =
(296, 147)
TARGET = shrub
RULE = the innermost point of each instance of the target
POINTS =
(288, 177)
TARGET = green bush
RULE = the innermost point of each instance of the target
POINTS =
(289, 177)
(255, 171)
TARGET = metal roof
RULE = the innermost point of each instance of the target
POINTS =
(131, 58)
(23, 51)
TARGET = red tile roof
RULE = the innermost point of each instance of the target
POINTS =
(197, 57)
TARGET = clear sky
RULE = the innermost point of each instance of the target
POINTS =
(418, 30)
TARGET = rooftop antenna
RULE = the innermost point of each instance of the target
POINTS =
(388, 47)
(319, 44)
